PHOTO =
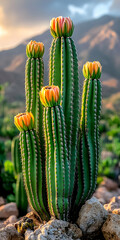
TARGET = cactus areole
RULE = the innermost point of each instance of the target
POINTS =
(59, 139)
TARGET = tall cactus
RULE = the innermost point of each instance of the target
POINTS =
(31, 163)
(89, 133)
(64, 73)
(60, 170)
(57, 162)
(21, 198)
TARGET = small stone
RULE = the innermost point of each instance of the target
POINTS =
(11, 219)
(102, 192)
(8, 209)
(34, 217)
(116, 211)
(91, 216)
(111, 228)
(113, 206)
(109, 184)
(28, 234)
(2, 201)
(10, 233)
(58, 229)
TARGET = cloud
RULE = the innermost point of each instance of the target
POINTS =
(102, 9)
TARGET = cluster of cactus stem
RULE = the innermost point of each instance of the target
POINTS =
(59, 140)
(21, 197)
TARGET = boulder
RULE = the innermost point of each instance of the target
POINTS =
(2, 201)
(111, 228)
(103, 193)
(91, 216)
(113, 206)
(10, 233)
(109, 184)
(11, 219)
(54, 230)
(7, 210)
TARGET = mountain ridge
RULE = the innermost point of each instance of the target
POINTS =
(97, 39)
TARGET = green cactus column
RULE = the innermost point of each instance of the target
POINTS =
(64, 73)
(21, 197)
(31, 163)
(89, 133)
(34, 74)
(57, 163)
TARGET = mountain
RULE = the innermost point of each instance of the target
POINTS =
(98, 39)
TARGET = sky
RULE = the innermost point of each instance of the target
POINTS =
(22, 19)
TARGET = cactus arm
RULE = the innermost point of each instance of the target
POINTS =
(51, 62)
(32, 81)
(39, 84)
(63, 73)
(69, 113)
(21, 199)
(24, 155)
(46, 157)
(27, 84)
(76, 96)
(29, 162)
(64, 167)
(51, 166)
(84, 159)
(61, 187)
(16, 155)
(90, 131)
(99, 100)
(53, 154)
(56, 72)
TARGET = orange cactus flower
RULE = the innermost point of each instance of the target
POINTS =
(50, 96)
(24, 121)
(92, 70)
(61, 26)
(35, 49)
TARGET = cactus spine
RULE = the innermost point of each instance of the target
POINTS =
(64, 73)
(21, 198)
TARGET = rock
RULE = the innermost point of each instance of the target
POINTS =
(113, 206)
(54, 230)
(109, 184)
(103, 193)
(116, 211)
(10, 233)
(34, 217)
(11, 219)
(91, 216)
(8, 209)
(111, 228)
(2, 201)
(28, 233)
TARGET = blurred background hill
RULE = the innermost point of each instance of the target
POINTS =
(98, 39)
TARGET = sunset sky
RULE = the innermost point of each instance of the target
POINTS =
(21, 19)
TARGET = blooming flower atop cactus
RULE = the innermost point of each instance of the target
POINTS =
(24, 121)
(61, 26)
(35, 49)
(50, 96)
(92, 70)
